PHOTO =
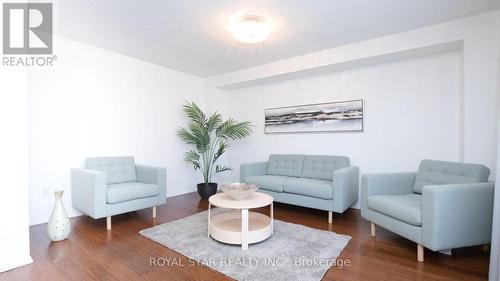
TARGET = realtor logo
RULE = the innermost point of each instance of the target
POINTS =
(27, 28)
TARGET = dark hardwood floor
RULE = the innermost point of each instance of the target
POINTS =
(92, 253)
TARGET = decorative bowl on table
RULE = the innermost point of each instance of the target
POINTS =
(239, 191)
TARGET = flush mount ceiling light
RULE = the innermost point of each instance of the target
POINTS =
(250, 25)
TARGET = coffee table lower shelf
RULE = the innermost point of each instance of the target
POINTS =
(230, 227)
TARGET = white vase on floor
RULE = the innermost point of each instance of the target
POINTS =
(59, 226)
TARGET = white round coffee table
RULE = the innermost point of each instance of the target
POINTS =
(240, 227)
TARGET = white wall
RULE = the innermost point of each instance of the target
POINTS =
(478, 45)
(14, 210)
(494, 273)
(98, 103)
(436, 106)
(411, 112)
(14, 216)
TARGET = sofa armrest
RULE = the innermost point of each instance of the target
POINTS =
(345, 188)
(457, 215)
(252, 169)
(154, 175)
(384, 184)
(88, 192)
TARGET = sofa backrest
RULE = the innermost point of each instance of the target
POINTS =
(432, 172)
(322, 167)
(285, 165)
(117, 169)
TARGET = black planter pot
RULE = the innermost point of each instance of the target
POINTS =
(207, 189)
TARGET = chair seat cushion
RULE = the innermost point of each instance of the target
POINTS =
(127, 191)
(322, 189)
(405, 207)
(269, 182)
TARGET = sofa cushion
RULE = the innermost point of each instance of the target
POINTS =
(322, 167)
(117, 169)
(121, 192)
(405, 207)
(322, 189)
(285, 165)
(431, 172)
(269, 182)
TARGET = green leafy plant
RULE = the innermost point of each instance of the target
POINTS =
(209, 138)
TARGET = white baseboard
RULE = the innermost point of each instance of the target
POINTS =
(16, 263)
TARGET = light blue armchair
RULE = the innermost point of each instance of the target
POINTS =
(444, 205)
(110, 186)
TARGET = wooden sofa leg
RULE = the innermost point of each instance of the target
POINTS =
(486, 248)
(446, 252)
(373, 231)
(420, 253)
(154, 212)
(330, 219)
(108, 223)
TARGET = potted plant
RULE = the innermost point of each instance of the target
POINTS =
(209, 138)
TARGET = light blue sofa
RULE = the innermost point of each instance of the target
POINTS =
(444, 205)
(110, 186)
(314, 181)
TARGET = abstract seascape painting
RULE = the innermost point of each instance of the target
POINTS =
(344, 116)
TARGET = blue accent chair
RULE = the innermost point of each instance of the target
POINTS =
(314, 181)
(445, 205)
(110, 186)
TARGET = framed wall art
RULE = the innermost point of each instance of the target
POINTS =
(343, 116)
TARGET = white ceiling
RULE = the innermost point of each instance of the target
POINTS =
(191, 35)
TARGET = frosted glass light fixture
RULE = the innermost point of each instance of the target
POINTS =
(250, 26)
